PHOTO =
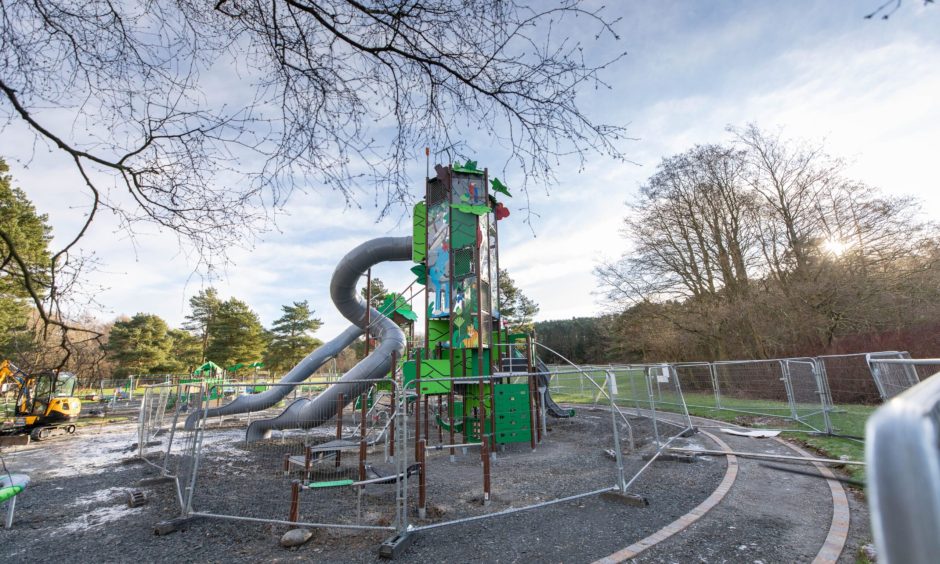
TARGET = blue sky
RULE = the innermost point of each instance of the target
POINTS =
(817, 70)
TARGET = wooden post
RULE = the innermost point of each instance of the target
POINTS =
(340, 405)
(417, 403)
(440, 411)
(463, 408)
(287, 464)
(452, 414)
(528, 354)
(485, 449)
(308, 456)
(481, 415)
(481, 329)
(533, 422)
(422, 478)
(427, 434)
(493, 414)
(364, 398)
(294, 515)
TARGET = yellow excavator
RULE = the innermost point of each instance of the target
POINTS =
(45, 403)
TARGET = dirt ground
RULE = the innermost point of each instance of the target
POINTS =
(76, 505)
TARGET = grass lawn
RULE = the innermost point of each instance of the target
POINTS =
(631, 389)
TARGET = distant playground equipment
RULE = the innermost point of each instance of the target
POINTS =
(45, 403)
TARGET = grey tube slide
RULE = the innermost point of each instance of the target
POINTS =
(304, 414)
(304, 369)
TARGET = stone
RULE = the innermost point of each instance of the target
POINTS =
(296, 537)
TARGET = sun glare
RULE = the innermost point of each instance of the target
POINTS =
(835, 247)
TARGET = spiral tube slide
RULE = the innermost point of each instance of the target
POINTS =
(304, 369)
(304, 414)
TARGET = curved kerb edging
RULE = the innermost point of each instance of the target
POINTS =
(680, 524)
(829, 552)
(839, 529)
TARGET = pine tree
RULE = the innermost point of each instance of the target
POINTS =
(379, 291)
(205, 308)
(515, 308)
(30, 234)
(139, 345)
(235, 335)
(290, 337)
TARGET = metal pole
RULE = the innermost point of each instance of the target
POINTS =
(788, 388)
(368, 308)
(616, 429)
(364, 398)
(393, 405)
(649, 391)
(713, 371)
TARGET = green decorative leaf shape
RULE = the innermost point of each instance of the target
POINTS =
(475, 210)
(498, 186)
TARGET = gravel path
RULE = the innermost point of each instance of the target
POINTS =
(768, 516)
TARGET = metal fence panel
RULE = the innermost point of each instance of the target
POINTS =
(754, 387)
(807, 395)
(892, 373)
(699, 385)
(319, 470)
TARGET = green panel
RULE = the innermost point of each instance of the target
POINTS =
(512, 421)
(512, 398)
(463, 230)
(472, 363)
(437, 331)
(473, 428)
(508, 437)
(419, 245)
(430, 370)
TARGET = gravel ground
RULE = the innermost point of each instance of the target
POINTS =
(76, 508)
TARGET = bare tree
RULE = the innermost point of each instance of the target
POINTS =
(334, 93)
(763, 247)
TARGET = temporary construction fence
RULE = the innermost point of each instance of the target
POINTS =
(894, 375)
(326, 463)
(390, 457)
(161, 442)
(903, 456)
(832, 394)
(580, 453)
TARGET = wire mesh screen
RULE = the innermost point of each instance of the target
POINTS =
(313, 458)
(698, 387)
(807, 394)
(894, 374)
(755, 387)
